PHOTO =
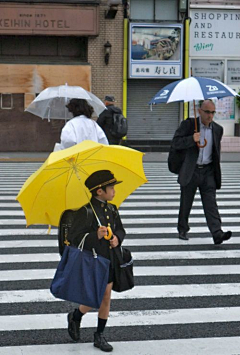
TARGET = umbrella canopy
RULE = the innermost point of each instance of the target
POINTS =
(193, 88)
(58, 184)
(51, 102)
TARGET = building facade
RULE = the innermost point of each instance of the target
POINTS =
(156, 58)
(214, 51)
(170, 40)
(51, 43)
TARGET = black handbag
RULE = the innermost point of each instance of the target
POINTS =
(175, 160)
(123, 270)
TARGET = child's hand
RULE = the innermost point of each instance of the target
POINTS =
(102, 231)
(114, 241)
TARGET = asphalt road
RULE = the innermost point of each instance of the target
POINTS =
(186, 295)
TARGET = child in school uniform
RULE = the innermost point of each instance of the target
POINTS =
(101, 185)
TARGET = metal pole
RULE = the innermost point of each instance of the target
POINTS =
(125, 62)
(186, 61)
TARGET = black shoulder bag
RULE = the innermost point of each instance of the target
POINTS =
(123, 270)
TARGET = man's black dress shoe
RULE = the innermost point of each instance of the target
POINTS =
(73, 327)
(101, 343)
(225, 236)
(183, 236)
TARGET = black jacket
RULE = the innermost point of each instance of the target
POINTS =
(183, 140)
(107, 214)
(105, 122)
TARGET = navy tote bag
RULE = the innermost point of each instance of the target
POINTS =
(81, 276)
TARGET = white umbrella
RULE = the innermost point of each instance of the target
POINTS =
(51, 102)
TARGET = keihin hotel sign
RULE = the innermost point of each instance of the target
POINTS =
(214, 33)
(48, 19)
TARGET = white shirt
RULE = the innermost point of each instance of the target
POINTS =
(81, 128)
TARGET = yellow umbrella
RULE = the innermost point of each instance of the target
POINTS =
(58, 184)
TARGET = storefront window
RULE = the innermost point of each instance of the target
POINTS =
(154, 10)
(142, 9)
(166, 9)
(41, 48)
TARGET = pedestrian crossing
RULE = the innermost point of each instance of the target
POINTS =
(186, 299)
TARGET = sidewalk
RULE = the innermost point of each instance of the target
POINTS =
(162, 157)
(148, 157)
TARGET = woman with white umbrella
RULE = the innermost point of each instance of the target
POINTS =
(81, 127)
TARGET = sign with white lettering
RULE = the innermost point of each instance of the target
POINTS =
(207, 68)
(49, 19)
(233, 72)
(214, 32)
(155, 51)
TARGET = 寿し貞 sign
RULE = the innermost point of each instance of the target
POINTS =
(155, 51)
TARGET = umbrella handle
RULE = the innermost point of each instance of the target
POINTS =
(202, 146)
(109, 235)
(195, 121)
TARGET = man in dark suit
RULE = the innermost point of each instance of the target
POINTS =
(200, 169)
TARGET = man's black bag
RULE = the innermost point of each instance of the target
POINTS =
(123, 270)
(175, 160)
(119, 125)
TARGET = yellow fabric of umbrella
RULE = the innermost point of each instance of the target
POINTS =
(58, 184)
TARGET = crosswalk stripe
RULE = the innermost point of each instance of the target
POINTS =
(176, 197)
(199, 346)
(131, 221)
(11, 244)
(138, 292)
(149, 197)
(146, 212)
(149, 230)
(118, 319)
(42, 274)
(153, 255)
(148, 204)
(174, 204)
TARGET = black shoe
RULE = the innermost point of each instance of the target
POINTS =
(101, 343)
(183, 236)
(73, 327)
(225, 236)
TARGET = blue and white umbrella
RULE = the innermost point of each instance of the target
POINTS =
(191, 89)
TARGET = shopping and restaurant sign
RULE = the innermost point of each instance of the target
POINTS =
(155, 51)
(214, 32)
(23, 19)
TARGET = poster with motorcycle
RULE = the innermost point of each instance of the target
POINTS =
(155, 51)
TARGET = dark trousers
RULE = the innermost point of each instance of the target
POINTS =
(203, 178)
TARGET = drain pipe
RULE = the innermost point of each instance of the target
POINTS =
(125, 63)
(186, 61)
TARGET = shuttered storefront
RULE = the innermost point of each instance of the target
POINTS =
(144, 124)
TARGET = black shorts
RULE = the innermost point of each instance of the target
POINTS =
(111, 275)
